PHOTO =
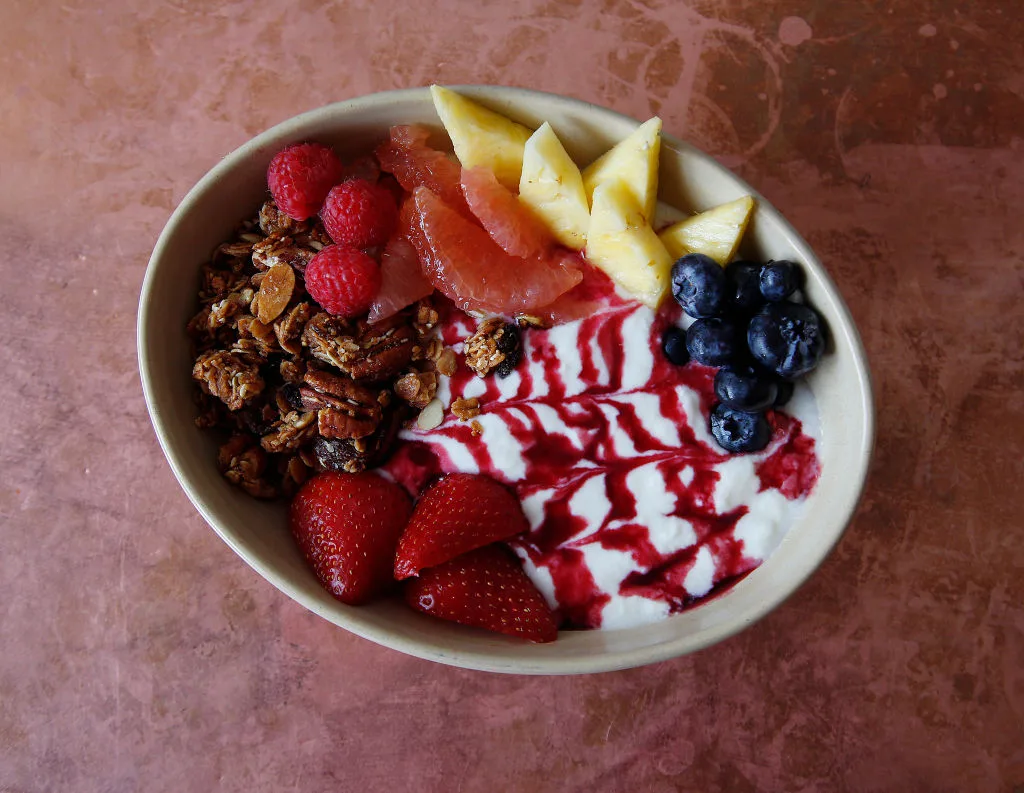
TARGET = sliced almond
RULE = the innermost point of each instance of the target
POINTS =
(276, 290)
(431, 416)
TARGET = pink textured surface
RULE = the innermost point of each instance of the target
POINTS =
(140, 653)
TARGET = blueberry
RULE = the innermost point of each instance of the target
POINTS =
(737, 431)
(745, 388)
(744, 279)
(673, 344)
(714, 341)
(787, 338)
(699, 286)
(784, 392)
(779, 280)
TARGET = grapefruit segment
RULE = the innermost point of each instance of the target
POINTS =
(510, 223)
(467, 266)
(402, 279)
(595, 293)
(406, 155)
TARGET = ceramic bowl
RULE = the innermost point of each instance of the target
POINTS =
(257, 532)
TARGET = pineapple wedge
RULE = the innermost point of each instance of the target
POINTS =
(634, 160)
(622, 243)
(715, 233)
(552, 187)
(481, 136)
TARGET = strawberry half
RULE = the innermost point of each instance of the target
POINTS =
(459, 513)
(347, 526)
(485, 588)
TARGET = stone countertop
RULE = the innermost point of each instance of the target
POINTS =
(140, 654)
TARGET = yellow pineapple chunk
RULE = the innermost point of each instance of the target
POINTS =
(634, 161)
(622, 243)
(481, 136)
(715, 233)
(551, 185)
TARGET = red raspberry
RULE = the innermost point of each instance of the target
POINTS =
(300, 176)
(343, 280)
(359, 214)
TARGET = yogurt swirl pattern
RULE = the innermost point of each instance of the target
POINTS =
(634, 511)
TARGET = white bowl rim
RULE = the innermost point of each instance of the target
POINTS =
(607, 661)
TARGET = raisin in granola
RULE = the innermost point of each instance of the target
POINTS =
(494, 346)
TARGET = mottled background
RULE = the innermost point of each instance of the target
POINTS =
(138, 653)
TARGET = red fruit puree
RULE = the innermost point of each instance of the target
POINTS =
(635, 513)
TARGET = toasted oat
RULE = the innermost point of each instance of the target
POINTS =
(466, 409)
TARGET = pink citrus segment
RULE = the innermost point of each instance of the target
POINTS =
(413, 163)
(513, 226)
(466, 265)
(402, 279)
(596, 292)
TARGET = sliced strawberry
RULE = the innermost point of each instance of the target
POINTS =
(466, 265)
(509, 222)
(485, 588)
(458, 513)
(347, 526)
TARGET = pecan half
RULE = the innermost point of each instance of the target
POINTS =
(329, 340)
(229, 377)
(385, 349)
(357, 454)
(344, 409)
(373, 352)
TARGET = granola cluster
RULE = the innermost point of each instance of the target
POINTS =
(494, 347)
(299, 390)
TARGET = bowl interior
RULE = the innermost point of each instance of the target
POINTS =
(691, 181)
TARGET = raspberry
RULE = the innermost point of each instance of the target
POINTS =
(359, 214)
(300, 176)
(343, 280)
